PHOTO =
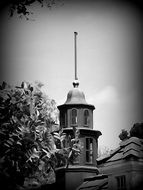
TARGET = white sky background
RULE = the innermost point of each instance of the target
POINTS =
(109, 50)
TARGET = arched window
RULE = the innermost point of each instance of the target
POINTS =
(86, 117)
(74, 116)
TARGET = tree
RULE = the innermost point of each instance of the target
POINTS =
(137, 130)
(22, 7)
(29, 149)
(103, 151)
(123, 135)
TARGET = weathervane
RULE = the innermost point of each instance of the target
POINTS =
(75, 83)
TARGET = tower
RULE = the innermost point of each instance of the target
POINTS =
(76, 112)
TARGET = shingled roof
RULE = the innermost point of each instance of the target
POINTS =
(132, 147)
(99, 182)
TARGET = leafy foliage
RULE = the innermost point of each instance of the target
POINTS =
(29, 149)
(21, 7)
(123, 135)
(137, 130)
(68, 148)
(103, 151)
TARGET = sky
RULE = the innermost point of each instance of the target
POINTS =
(108, 58)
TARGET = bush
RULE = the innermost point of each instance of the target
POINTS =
(29, 149)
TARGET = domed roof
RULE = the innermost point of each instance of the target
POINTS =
(75, 96)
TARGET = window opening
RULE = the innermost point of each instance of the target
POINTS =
(74, 117)
(62, 119)
(121, 182)
(86, 117)
(89, 150)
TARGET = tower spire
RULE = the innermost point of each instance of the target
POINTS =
(75, 83)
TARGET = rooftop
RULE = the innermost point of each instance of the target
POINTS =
(132, 147)
(94, 183)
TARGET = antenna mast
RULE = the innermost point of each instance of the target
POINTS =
(75, 83)
(75, 49)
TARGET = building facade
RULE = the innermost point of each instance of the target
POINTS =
(124, 165)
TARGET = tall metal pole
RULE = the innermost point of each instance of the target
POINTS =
(75, 48)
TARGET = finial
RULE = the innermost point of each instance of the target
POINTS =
(75, 83)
